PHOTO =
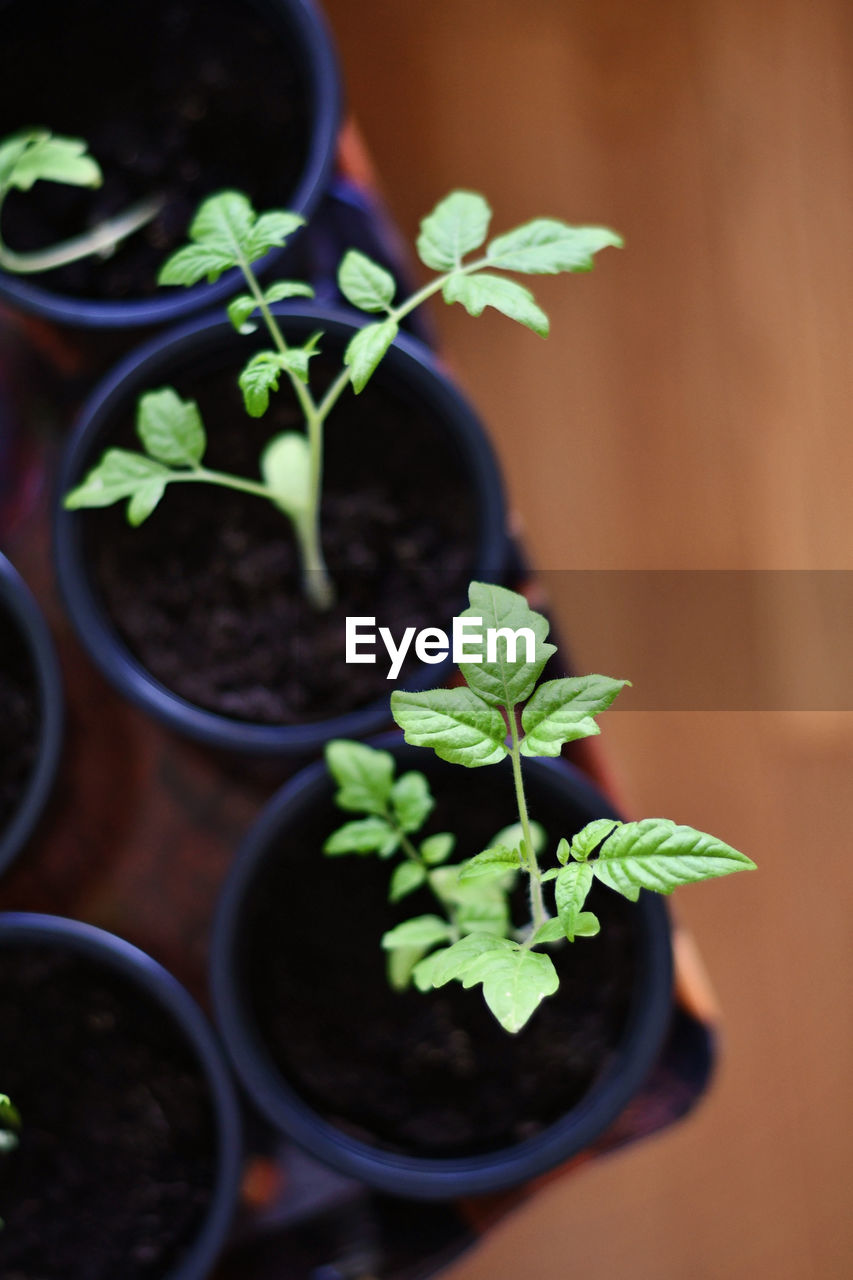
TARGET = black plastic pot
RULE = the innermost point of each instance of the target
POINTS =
(277, 837)
(301, 28)
(19, 611)
(119, 957)
(409, 364)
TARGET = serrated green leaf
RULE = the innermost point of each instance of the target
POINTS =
(270, 231)
(562, 710)
(455, 723)
(422, 931)
(550, 931)
(570, 892)
(457, 224)
(452, 962)
(363, 774)
(37, 154)
(406, 878)
(286, 469)
(194, 262)
(513, 836)
(366, 349)
(258, 379)
(412, 801)
(476, 292)
(364, 283)
(505, 680)
(490, 863)
(660, 855)
(171, 429)
(546, 246)
(144, 501)
(118, 475)
(287, 289)
(514, 981)
(587, 840)
(239, 309)
(438, 848)
(365, 835)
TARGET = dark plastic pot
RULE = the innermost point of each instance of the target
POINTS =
(405, 1175)
(300, 24)
(19, 609)
(24, 929)
(155, 364)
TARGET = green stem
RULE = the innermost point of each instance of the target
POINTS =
(100, 240)
(537, 904)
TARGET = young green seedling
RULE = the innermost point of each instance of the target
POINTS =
(37, 154)
(503, 711)
(227, 233)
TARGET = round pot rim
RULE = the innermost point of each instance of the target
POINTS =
(424, 1177)
(318, 58)
(408, 360)
(15, 595)
(160, 985)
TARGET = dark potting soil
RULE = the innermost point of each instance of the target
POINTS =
(19, 718)
(207, 591)
(116, 1161)
(428, 1074)
(179, 98)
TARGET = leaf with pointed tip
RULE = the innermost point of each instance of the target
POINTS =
(573, 884)
(270, 231)
(546, 246)
(422, 931)
(476, 292)
(515, 982)
(459, 726)
(587, 840)
(509, 678)
(400, 963)
(194, 262)
(406, 878)
(562, 710)
(660, 855)
(365, 835)
(363, 774)
(550, 931)
(412, 801)
(287, 289)
(38, 154)
(438, 848)
(366, 349)
(451, 963)
(239, 309)
(144, 501)
(364, 283)
(457, 224)
(492, 862)
(286, 469)
(118, 475)
(171, 429)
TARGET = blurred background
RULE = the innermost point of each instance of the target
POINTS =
(691, 411)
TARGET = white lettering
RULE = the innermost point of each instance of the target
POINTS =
(353, 639)
(396, 653)
(461, 638)
(432, 645)
(511, 638)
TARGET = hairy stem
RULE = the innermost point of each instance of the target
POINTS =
(537, 904)
(102, 240)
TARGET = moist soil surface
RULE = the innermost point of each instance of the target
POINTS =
(207, 591)
(116, 1161)
(426, 1074)
(175, 98)
(19, 718)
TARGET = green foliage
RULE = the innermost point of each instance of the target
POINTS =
(227, 233)
(10, 1123)
(502, 712)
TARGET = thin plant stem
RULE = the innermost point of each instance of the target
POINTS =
(537, 904)
(102, 240)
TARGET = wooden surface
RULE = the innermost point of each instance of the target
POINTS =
(692, 410)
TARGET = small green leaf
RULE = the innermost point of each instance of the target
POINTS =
(457, 224)
(587, 925)
(364, 283)
(400, 963)
(515, 982)
(506, 678)
(258, 379)
(422, 931)
(194, 262)
(480, 907)
(144, 501)
(9, 1115)
(363, 774)
(171, 429)
(459, 726)
(659, 855)
(36, 154)
(491, 862)
(587, 840)
(270, 231)
(550, 931)
(438, 848)
(570, 892)
(452, 962)
(476, 292)
(239, 309)
(513, 836)
(546, 246)
(286, 469)
(366, 349)
(287, 289)
(406, 878)
(296, 359)
(226, 232)
(412, 801)
(118, 475)
(563, 710)
(366, 835)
